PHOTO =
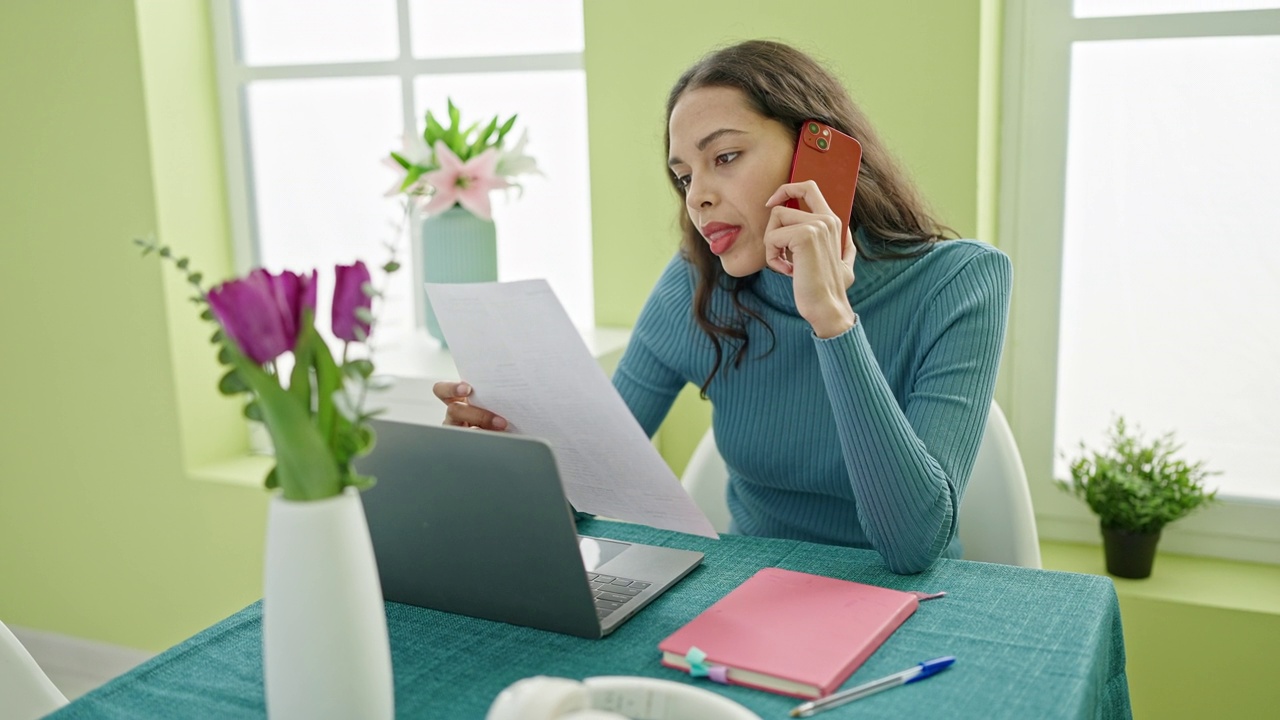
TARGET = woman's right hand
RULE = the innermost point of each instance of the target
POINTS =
(461, 413)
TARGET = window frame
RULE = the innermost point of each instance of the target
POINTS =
(233, 76)
(1038, 36)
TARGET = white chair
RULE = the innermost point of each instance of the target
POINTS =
(26, 692)
(997, 523)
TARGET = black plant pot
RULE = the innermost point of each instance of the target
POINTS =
(1129, 554)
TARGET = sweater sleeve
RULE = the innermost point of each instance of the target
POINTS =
(908, 466)
(645, 377)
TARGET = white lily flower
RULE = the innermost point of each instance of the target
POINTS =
(515, 162)
(414, 149)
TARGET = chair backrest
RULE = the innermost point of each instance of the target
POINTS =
(997, 523)
(706, 479)
(26, 692)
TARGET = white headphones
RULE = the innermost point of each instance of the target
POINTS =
(616, 697)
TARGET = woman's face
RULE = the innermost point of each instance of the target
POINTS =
(728, 159)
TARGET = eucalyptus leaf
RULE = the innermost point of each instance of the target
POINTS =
(232, 383)
(360, 482)
(253, 411)
(360, 368)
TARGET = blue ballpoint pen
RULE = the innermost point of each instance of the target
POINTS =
(919, 672)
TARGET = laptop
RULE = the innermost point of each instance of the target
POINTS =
(476, 523)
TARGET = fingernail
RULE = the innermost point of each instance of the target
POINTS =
(463, 389)
(499, 424)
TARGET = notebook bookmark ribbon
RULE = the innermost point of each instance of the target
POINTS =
(698, 667)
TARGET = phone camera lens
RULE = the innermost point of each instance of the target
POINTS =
(822, 143)
(813, 128)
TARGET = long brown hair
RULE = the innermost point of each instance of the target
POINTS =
(786, 85)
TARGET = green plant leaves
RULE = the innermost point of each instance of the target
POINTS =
(1137, 485)
(232, 383)
(314, 444)
(305, 469)
(465, 143)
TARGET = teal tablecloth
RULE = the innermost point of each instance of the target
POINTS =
(1028, 643)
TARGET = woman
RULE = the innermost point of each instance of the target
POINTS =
(848, 407)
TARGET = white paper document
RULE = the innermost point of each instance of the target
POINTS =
(514, 343)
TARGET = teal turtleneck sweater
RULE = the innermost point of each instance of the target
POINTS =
(865, 439)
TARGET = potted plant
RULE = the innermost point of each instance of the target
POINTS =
(1135, 488)
(326, 652)
(448, 174)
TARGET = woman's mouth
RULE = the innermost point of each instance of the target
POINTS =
(721, 236)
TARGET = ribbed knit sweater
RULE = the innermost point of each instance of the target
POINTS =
(865, 439)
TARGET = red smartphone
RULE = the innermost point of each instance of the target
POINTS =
(831, 159)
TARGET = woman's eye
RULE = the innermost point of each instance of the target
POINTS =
(728, 157)
(682, 182)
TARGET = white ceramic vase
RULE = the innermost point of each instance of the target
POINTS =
(324, 625)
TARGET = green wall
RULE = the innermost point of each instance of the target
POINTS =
(102, 534)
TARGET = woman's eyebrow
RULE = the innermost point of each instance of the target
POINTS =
(710, 138)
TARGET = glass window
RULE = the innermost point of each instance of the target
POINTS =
(298, 32)
(1171, 265)
(553, 211)
(448, 28)
(317, 185)
(316, 93)
(1113, 8)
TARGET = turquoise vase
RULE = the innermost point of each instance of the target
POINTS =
(457, 247)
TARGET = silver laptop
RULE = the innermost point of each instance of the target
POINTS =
(476, 522)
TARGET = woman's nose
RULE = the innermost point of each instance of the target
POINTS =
(699, 195)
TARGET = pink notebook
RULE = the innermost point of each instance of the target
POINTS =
(790, 632)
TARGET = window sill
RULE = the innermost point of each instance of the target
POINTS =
(1180, 579)
(248, 471)
(413, 365)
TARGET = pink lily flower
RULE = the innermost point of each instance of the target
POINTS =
(467, 184)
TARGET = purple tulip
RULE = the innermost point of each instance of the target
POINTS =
(348, 297)
(263, 313)
(293, 294)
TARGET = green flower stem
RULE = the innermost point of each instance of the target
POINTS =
(304, 465)
(300, 377)
(328, 382)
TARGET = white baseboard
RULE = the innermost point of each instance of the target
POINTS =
(76, 665)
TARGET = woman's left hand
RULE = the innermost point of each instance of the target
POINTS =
(807, 247)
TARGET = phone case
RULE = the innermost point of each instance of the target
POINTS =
(830, 158)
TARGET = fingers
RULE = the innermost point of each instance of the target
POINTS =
(850, 255)
(793, 234)
(461, 413)
(807, 192)
(451, 392)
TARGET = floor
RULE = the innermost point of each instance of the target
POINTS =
(75, 665)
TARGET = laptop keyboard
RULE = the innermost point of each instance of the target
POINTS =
(612, 592)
